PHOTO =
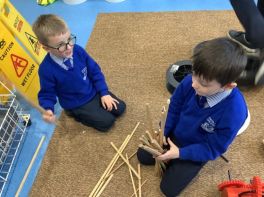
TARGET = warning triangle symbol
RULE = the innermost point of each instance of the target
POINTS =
(34, 43)
(19, 64)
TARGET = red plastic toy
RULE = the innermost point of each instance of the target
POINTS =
(235, 188)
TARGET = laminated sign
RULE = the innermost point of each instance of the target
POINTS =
(17, 65)
(22, 30)
(20, 52)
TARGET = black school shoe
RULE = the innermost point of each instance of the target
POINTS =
(247, 77)
(259, 78)
(240, 38)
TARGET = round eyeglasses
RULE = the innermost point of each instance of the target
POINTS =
(63, 46)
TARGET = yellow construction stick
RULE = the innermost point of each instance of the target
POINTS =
(30, 166)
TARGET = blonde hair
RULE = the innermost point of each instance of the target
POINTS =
(49, 25)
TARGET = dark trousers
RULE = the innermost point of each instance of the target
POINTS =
(93, 114)
(251, 16)
(178, 174)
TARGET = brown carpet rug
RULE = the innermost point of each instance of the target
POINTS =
(134, 51)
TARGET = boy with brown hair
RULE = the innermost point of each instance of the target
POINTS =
(205, 114)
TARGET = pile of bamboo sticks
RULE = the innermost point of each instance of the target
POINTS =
(109, 172)
(152, 141)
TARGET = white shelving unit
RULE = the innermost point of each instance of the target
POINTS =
(13, 123)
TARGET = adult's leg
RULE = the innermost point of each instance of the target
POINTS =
(178, 175)
(260, 5)
(92, 114)
(251, 19)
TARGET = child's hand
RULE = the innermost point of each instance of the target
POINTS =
(48, 116)
(173, 153)
(108, 102)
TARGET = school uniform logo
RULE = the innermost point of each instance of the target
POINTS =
(208, 125)
(84, 72)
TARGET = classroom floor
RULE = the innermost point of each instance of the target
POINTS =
(81, 19)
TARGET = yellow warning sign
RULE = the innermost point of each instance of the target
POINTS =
(21, 29)
(34, 43)
(17, 65)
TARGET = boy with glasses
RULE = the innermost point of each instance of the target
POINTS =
(205, 114)
(71, 75)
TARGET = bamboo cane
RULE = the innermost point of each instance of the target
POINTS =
(156, 145)
(160, 137)
(139, 182)
(114, 170)
(144, 141)
(108, 169)
(162, 126)
(141, 186)
(149, 119)
(149, 136)
(163, 166)
(157, 169)
(131, 176)
(133, 170)
(165, 141)
(34, 105)
(152, 151)
(104, 186)
(30, 166)
(157, 134)
(113, 161)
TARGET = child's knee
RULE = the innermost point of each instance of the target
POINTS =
(121, 107)
(169, 189)
(106, 124)
(166, 191)
(144, 157)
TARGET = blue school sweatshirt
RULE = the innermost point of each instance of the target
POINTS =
(74, 87)
(203, 134)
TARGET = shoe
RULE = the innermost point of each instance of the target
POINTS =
(240, 38)
(259, 78)
(248, 76)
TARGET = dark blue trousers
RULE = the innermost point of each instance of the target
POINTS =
(93, 114)
(251, 16)
(178, 174)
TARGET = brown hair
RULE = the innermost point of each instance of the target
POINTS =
(49, 25)
(219, 59)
